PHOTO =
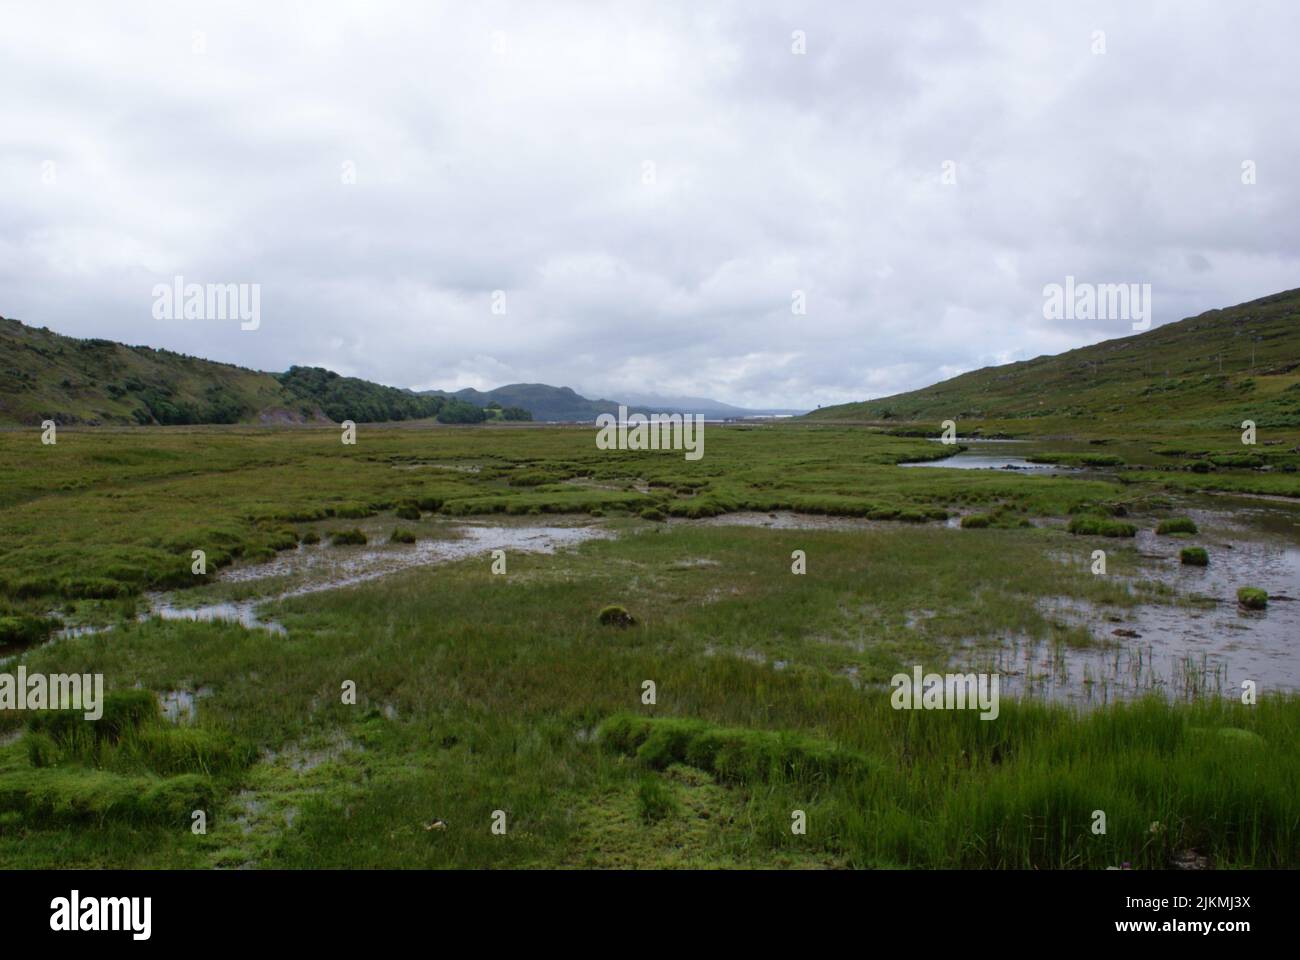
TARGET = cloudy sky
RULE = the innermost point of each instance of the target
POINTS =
(649, 185)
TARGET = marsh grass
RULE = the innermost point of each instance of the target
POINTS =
(479, 692)
(1101, 527)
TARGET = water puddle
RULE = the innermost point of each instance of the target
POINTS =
(1203, 645)
(986, 455)
(323, 567)
(181, 706)
(243, 613)
(328, 568)
(784, 520)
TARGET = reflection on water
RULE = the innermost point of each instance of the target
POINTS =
(243, 613)
(324, 567)
(1205, 645)
(988, 455)
(181, 706)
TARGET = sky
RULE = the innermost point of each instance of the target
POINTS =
(772, 205)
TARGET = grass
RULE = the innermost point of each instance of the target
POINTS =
(1101, 527)
(1252, 598)
(1194, 557)
(1176, 525)
(477, 693)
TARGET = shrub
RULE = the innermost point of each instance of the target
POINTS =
(616, 616)
(1101, 527)
(401, 536)
(1194, 557)
(348, 538)
(1176, 525)
(1252, 598)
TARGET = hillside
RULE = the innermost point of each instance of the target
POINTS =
(1207, 372)
(45, 375)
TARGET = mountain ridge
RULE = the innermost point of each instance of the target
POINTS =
(46, 375)
(1208, 371)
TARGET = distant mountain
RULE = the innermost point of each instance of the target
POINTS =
(564, 404)
(48, 376)
(712, 409)
(543, 401)
(1211, 371)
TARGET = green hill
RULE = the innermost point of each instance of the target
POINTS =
(1205, 373)
(47, 376)
(349, 398)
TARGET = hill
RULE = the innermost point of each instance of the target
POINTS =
(542, 400)
(1207, 372)
(47, 376)
(564, 404)
(349, 398)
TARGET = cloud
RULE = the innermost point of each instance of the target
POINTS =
(648, 185)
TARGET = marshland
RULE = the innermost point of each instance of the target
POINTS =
(478, 691)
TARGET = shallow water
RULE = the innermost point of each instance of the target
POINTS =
(987, 455)
(1204, 646)
(785, 520)
(181, 706)
(323, 567)
(243, 613)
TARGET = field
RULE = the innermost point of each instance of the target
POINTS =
(501, 699)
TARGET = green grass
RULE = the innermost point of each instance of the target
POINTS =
(1194, 557)
(1176, 525)
(477, 692)
(1101, 527)
(1252, 598)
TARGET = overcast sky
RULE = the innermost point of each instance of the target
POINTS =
(649, 184)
